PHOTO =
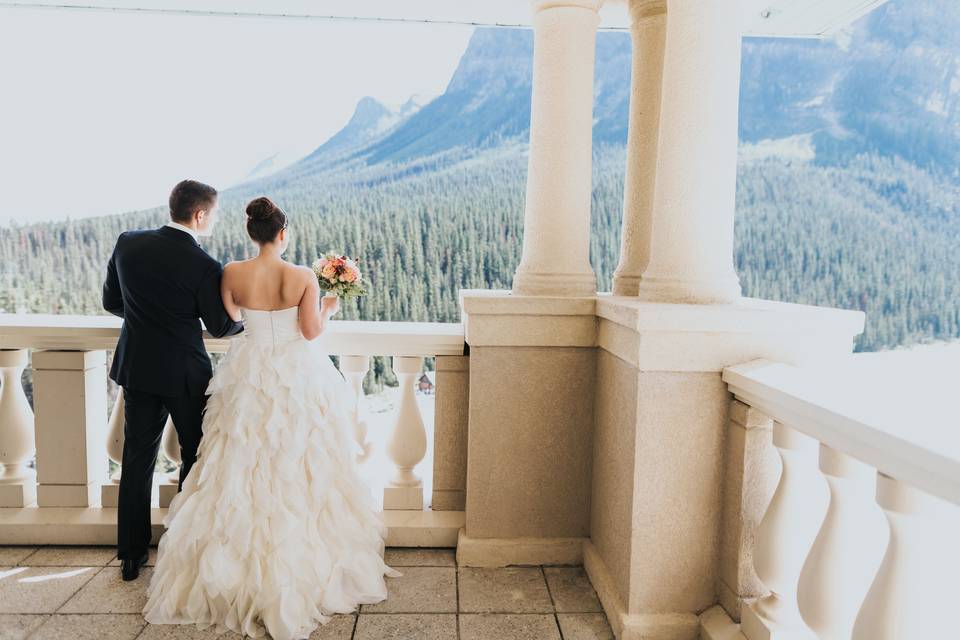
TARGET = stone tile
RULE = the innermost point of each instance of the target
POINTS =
(571, 589)
(585, 626)
(419, 590)
(40, 589)
(508, 626)
(503, 590)
(184, 632)
(151, 560)
(340, 627)
(426, 557)
(10, 556)
(71, 557)
(19, 627)
(406, 626)
(108, 593)
(90, 627)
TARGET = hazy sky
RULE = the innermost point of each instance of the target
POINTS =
(102, 113)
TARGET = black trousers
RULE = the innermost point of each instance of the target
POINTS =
(146, 415)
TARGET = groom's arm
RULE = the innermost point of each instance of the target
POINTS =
(112, 297)
(215, 318)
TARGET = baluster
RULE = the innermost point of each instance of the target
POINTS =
(171, 448)
(784, 536)
(408, 441)
(914, 593)
(847, 551)
(70, 402)
(18, 484)
(110, 490)
(354, 369)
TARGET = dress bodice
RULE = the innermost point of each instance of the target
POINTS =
(271, 327)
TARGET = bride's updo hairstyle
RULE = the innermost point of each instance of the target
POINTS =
(264, 220)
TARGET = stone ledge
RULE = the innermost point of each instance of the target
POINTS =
(502, 318)
(502, 552)
(688, 337)
(747, 315)
(657, 336)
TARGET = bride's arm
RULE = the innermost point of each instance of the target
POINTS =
(229, 304)
(310, 318)
(314, 313)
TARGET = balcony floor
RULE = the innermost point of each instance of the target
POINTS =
(49, 593)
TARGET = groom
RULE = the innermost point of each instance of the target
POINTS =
(162, 284)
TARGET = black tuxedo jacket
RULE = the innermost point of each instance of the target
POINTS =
(162, 283)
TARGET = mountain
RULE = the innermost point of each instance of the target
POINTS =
(274, 163)
(370, 120)
(889, 84)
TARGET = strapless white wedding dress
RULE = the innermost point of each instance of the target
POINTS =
(274, 530)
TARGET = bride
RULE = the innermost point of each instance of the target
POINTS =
(274, 530)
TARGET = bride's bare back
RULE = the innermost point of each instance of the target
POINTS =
(269, 283)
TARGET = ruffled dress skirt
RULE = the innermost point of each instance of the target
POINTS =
(274, 530)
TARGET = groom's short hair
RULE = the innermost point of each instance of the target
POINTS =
(187, 197)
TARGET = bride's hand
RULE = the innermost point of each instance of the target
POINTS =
(330, 305)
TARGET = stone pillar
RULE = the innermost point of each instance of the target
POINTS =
(556, 232)
(70, 403)
(354, 369)
(680, 475)
(450, 433)
(691, 241)
(648, 31)
(751, 471)
(784, 538)
(408, 440)
(18, 483)
(529, 450)
(914, 593)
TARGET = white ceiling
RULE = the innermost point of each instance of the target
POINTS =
(805, 18)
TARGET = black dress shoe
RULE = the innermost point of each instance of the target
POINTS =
(130, 569)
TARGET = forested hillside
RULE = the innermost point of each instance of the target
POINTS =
(839, 202)
(878, 235)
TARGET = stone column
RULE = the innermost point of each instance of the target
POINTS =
(556, 231)
(18, 483)
(648, 31)
(70, 403)
(450, 433)
(407, 444)
(691, 231)
(751, 470)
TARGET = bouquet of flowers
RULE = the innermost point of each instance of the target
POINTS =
(339, 275)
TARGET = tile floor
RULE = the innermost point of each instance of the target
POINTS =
(75, 593)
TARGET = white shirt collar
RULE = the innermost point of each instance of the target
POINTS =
(185, 229)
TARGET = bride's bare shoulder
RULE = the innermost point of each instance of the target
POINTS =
(231, 268)
(299, 271)
(235, 265)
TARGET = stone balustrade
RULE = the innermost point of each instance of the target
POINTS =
(860, 537)
(71, 435)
